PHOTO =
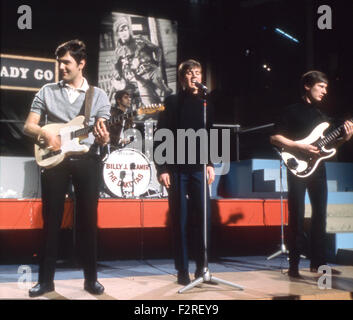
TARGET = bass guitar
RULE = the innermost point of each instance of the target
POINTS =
(303, 165)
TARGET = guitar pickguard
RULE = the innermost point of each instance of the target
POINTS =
(71, 145)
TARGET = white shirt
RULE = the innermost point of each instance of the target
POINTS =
(73, 93)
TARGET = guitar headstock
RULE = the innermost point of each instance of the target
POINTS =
(150, 109)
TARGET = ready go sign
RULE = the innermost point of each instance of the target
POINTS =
(26, 73)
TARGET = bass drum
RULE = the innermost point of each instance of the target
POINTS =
(127, 173)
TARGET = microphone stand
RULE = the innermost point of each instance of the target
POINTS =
(283, 249)
(206, 275)
(237, 130)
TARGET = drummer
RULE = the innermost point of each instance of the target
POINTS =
(122, 105)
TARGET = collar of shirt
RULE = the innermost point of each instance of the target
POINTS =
(72, 92)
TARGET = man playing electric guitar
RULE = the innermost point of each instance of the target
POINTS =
(60, 103)
(296, 123)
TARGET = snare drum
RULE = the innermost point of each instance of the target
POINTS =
(127, 173)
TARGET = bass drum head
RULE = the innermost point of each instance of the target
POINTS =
(127, 173)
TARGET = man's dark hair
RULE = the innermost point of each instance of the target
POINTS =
(76, 48)
(119, 94)
(310, 78)
(187, 65)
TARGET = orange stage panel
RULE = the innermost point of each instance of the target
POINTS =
(119, 213)
(27, 214)
(147, 213)
(154, 213)
(238, 212)
(272, 212)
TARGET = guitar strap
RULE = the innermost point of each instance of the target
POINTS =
(88, 104)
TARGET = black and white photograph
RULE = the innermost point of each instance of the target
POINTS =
(138, 54)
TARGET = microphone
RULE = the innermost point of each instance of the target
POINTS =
(199, 85)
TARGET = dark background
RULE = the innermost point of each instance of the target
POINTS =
(232, 40)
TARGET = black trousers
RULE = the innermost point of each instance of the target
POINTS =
(316, 186)
(186, 203)
(83, 171)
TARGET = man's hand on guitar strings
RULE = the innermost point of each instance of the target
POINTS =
(348, 127)
(101, 133)
(307, 148)
(52, 140)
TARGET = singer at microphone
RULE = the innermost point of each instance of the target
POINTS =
(199, 85)
(185, 110)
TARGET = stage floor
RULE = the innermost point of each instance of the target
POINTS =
(148, 279)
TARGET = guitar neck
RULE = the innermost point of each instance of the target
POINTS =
(86, 130)
(332, 136)
(82, 132)
(119, 119)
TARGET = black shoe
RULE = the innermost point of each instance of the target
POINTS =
(183, 278)
(93, 287)
(40, 289)
(293, 273)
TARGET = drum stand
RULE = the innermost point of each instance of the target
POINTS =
(206, 275)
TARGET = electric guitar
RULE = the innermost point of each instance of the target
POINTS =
(303, 165)
(73, 132)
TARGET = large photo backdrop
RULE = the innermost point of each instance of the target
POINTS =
(138, 54)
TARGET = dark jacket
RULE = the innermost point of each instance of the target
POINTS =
(184, 111)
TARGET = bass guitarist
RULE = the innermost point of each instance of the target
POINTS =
(61, 102)
(296, 123)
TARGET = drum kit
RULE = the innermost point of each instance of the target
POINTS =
(128, 172)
